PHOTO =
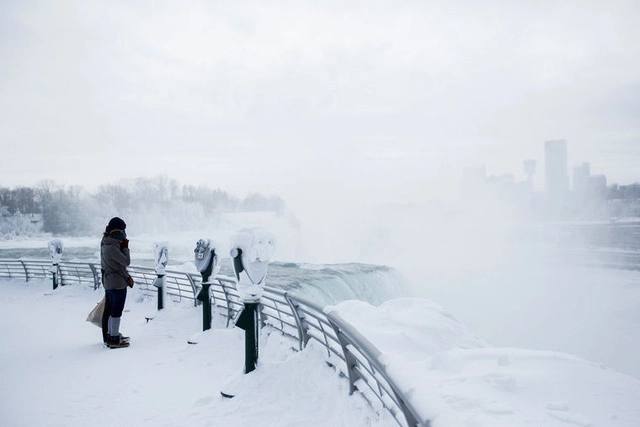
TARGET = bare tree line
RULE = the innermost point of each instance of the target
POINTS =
(73, 211)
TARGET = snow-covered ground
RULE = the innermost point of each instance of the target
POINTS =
(56, 372)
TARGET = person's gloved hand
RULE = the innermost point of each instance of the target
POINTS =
(124, 244)
(130, 281)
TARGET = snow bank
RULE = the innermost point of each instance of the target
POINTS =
(508, 387)
(456, 380)
(411, 327)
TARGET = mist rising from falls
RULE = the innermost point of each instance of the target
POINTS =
(330, 284)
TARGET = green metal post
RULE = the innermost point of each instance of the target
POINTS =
(205, 297)
(160, 284)
(248, 321)
(54, 276)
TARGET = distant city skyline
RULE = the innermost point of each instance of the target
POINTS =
(554, 179)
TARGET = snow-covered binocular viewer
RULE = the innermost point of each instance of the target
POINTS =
(161, 257)
(55, 250)
(206, 259)
(251, 251)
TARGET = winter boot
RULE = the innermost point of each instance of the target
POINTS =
(122, 338)
(115, 337)
(116, 342)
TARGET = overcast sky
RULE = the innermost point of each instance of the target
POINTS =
(365, 99)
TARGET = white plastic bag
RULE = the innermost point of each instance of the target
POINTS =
(95, 316)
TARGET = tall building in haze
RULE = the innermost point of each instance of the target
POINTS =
(581, 175)
(555, 167)
(529, 170)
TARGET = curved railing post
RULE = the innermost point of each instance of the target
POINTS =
(303, 336)
(96, 277)
(227, 300)
(349, 359)
(9, 272)
(179, 289)
(26, 271)
(194, 287)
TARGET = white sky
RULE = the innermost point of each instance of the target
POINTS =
(385, 100)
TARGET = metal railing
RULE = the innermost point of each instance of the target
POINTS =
(24, 269)
(78, 273)
(353, 355)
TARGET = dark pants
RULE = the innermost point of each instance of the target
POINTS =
(113, 307)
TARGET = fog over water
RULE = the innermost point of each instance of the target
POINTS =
(504, 279)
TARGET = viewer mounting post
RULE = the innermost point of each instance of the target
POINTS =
(247, 320)
(55, 250)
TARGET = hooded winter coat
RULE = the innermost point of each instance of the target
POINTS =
(114, 260)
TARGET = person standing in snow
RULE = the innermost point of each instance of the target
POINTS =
(114, 258)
